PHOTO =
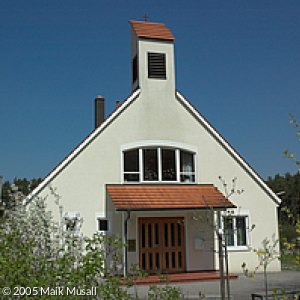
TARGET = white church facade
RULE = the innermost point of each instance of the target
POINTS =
(150, 173)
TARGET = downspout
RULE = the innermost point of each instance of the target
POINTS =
(125, 240)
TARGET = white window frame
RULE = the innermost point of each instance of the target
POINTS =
(159, 145)
(73, 215)
(234, 213)
(103, 215)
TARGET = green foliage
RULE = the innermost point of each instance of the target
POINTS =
(265, 256)
(36, 253)
(23, 186)
(166, 292)
(287, 153)
(287, 232)
(289, 186)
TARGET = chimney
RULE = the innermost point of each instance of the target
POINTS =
(99, 110)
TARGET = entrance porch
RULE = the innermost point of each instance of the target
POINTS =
(185, 277)
(163, 236)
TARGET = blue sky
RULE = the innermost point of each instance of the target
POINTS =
(238, 63)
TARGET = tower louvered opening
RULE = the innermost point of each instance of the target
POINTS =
(157, 65)
(134, 69)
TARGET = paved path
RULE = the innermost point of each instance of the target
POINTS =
(242, 288)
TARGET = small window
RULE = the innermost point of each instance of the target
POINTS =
(187, 167)
(150, 164)
(134, 69)
(103, 225)
(71, 222)
(168, 165)
(236, 230)
(157, 65)
(131, 165)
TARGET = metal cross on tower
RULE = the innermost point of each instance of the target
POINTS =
(145, 17)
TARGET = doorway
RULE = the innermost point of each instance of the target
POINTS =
(162, 245)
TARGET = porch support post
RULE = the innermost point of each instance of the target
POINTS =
(221, 262)
(125, 241)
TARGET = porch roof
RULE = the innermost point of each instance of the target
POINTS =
(166, 197)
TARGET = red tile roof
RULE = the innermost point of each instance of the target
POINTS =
(151, 30)
(152, 197)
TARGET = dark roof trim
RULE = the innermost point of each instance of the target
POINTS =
(135, 94)
(172, 209)
(229, 148)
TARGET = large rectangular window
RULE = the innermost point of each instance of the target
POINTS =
(159, 164)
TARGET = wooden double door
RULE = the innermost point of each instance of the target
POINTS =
(162, 245)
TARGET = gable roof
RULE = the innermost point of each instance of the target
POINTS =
(228, 147)
(118, 111)
(82, 145)
(166, 197)
(152, 30)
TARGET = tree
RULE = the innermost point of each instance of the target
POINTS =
(18, 189)
(287, 153)
(218, 225)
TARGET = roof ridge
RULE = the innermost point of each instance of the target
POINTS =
(229, 147)
(152, 30)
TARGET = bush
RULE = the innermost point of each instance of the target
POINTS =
(36, 253)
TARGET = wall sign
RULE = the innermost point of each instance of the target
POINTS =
(199, 244)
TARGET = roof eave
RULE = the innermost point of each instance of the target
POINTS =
(81, 146)
(230, 149)
(172, 209)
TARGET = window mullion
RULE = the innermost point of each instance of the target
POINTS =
(159, 158)
(196, 167)
(141, 164)
(177, 161)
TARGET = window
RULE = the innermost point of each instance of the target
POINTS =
(154, 164)
(168, 165)
(134, 69)
(157, 65)
(236, 229)
(150, 164)
(103, 225)
(131, 165)
(71, 222)
(103, 221)
(187, 167)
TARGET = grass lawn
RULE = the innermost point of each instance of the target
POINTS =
(287, 263)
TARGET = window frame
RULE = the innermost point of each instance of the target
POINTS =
(72, 214)
(157, 65)
(159, 146)
(103, 215)
(234, 214)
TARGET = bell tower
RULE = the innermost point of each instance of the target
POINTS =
(152, 57)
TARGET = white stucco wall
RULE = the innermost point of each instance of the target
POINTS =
(158, 115)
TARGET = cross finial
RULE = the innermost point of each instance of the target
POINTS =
(145, 17)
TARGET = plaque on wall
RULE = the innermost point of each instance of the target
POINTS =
(199, 244)
(131, 245)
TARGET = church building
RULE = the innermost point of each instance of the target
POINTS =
(150, 172)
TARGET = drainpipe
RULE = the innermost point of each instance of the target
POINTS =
(125, 240)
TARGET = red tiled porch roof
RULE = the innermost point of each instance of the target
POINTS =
(167, 197)
(152, 30)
